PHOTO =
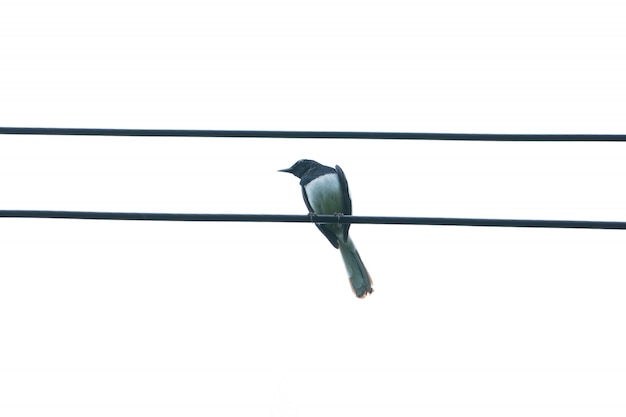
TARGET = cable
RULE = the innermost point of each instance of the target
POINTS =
(289, 218)
(316, 219)
(313, 134)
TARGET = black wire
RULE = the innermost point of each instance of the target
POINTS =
(314, 134)
(316, 219)
(290, 218)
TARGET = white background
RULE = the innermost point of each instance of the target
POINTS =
(106, 318)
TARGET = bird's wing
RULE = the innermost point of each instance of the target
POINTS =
(347, 201)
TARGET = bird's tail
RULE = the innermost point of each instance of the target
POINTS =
(360, 279)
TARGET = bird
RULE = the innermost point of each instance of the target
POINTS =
(325, 191)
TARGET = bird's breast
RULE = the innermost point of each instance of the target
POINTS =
(324, 194)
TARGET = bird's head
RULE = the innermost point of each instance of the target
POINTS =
(301, 167)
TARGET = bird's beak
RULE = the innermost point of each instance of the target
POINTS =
(285, 170)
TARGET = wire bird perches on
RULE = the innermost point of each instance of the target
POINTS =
(297, 134)
(290, 218)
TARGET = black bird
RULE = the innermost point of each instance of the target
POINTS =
(325, 191)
